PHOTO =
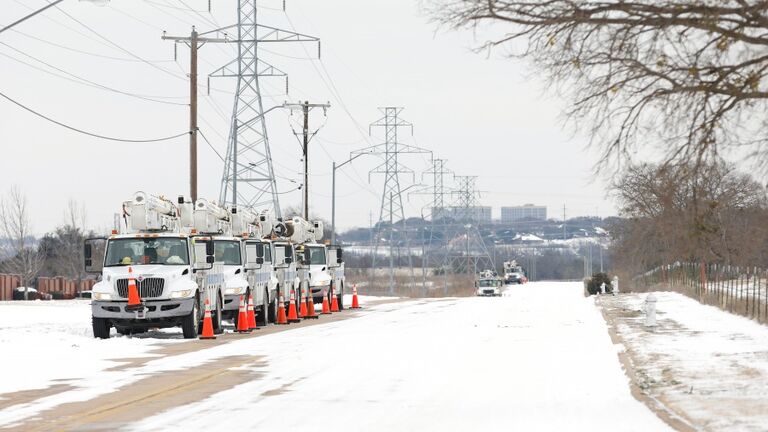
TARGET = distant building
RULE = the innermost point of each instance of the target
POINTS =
(528, 211)
(478, 214)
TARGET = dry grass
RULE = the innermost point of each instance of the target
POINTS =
(408, 285)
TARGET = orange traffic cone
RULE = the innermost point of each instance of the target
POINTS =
(326, 306)
(303, 304)
(292, 315)
(207, 323)
(355, 303)
(134, 301)
(334, 301)
(251, 314)
(311, 308)
(242, 318)
(281, 319)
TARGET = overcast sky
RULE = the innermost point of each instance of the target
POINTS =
(487, 116)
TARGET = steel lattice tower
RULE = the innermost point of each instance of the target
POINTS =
(466, 251)
(249, 177)
(391, 200)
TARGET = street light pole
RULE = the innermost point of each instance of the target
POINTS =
(333, 194)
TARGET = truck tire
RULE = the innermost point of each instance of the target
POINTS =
(273, 310)
(340, 297)
(261, 318)
(190, 324)
(100, 328)
(218, 327)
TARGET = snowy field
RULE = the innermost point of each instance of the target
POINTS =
(708, 366)
(539, 358)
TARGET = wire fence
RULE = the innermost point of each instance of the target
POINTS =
(739, 290)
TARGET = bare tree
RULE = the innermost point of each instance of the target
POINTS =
(71, 237)
(20, 256)
(718, 215)
(687, 75)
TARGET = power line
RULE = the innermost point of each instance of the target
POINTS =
(83, 81)
(95, 135)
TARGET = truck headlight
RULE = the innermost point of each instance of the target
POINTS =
(102, 296)
(234, 291)
(181, 294)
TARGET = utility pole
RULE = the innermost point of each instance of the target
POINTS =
(193, 115)
(195, 42)
(306, 107)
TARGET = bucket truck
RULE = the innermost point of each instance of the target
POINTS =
(171, 265)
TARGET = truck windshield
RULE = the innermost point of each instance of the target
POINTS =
(226, 252)
(487, 283)
(138, 251)
(317, 256)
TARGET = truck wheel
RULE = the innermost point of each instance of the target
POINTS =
(218, 327)
(261, 318)
(273, 310)
(190, 324)
(100, 328)
(340, 297)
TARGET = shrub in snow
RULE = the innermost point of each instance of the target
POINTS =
(597, 279)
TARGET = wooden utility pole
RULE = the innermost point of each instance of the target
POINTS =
(195, 42)
(305, 108)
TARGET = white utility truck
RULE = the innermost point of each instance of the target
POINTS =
(215, 221)
(513, 273)
(251, 228)
(173, 270)
(488, 283)
(311, 258)
(284, 264)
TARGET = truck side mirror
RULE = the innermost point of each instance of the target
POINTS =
(339, 259)
(288, 260)
(307, 256)
(259, 253)
(93, 254)
(254, 255)
(203, 259)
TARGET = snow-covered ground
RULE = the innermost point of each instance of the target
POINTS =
(706, 365)
(539, 358)
(52, 342)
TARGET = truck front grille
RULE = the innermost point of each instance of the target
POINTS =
(148, 288)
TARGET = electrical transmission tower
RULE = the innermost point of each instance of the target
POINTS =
(439, 192)
(249, 177)
(466, 252)
(391, 199)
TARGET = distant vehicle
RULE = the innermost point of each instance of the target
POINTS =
(513, 273)
(488, 284)
(85, 294)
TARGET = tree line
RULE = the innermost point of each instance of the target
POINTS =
(57, 253)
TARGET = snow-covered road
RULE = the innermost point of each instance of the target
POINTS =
(539, 358)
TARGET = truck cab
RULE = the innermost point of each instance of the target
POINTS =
(285, 270)
(488, 286)
(261, 278)
(313, 270)
(173, 271)
(229, 252)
